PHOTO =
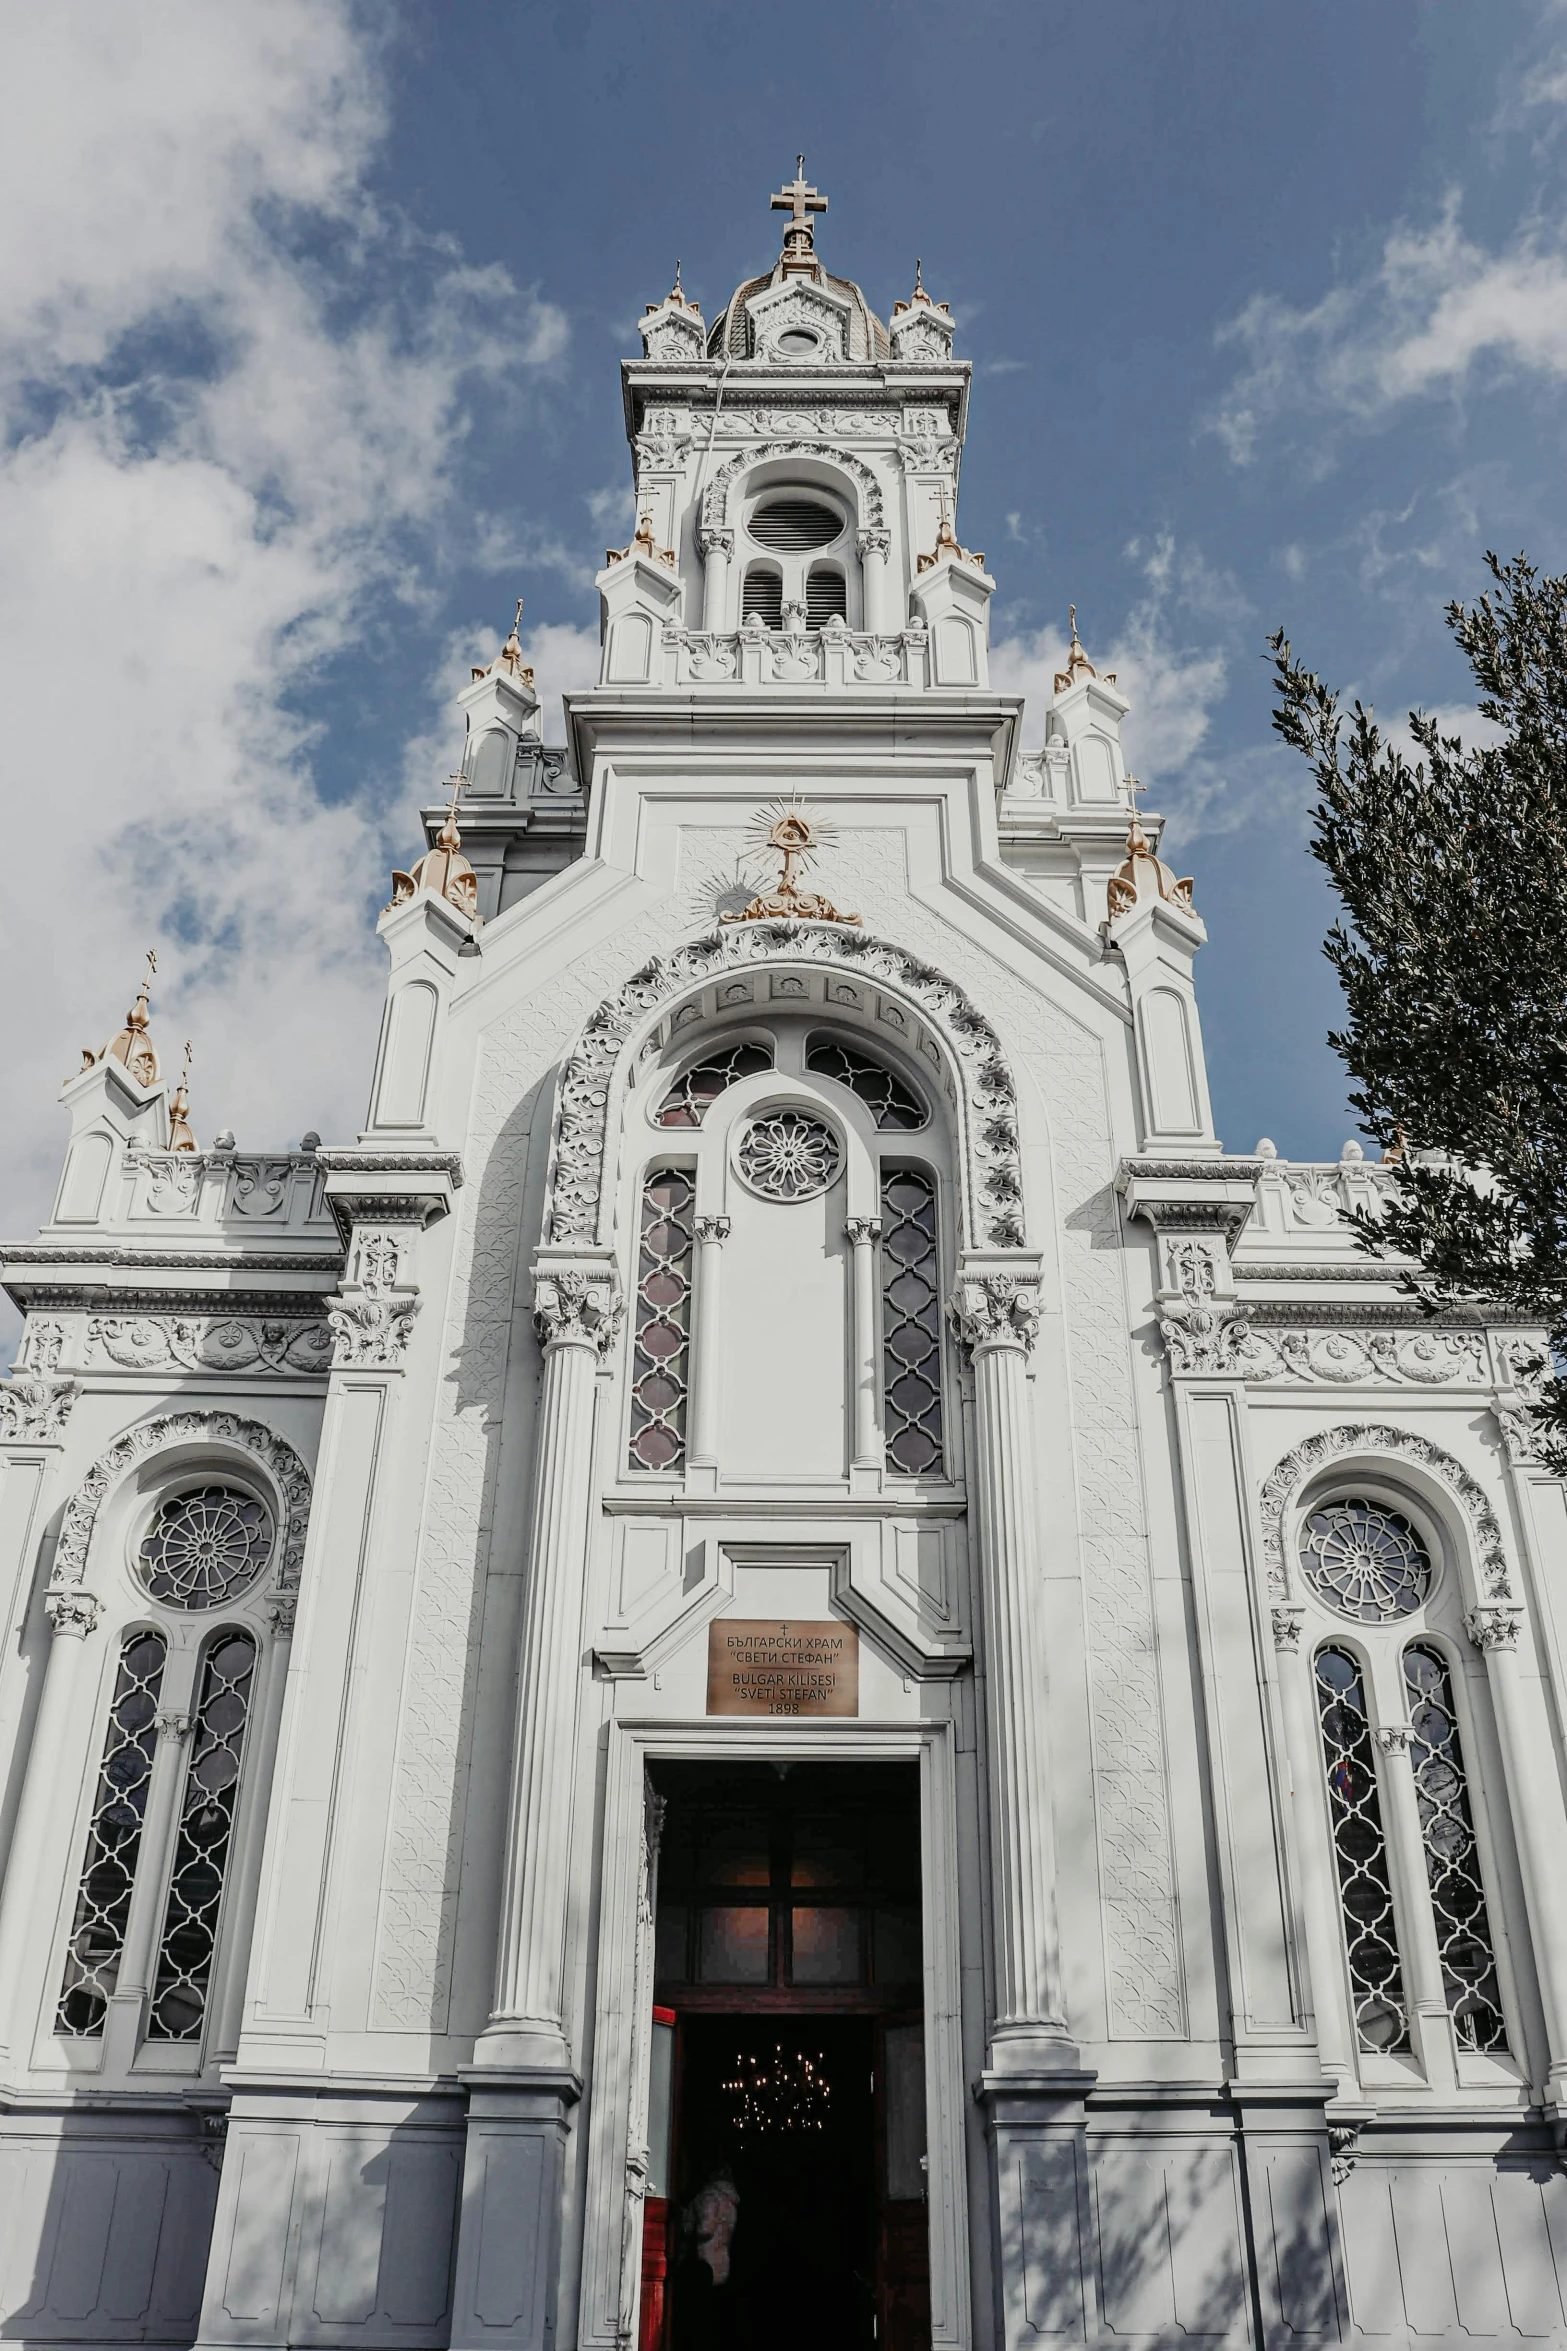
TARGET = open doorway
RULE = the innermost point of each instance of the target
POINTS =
(789, 2107)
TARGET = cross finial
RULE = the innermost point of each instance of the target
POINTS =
(799, 199)
(919, 282)
(449, 837)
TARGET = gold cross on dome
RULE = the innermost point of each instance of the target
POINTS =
(799, 199)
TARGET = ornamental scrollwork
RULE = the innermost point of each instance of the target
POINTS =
(1201, 1331)
(993, 1189)
(34, 1408)
(371, 1329)
(715, 499)
(995, 1310)
(1374, 1438)
(1493, 1628)
(286, 1472)
(576, 1308)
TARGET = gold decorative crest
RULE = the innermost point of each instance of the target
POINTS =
(797, 838)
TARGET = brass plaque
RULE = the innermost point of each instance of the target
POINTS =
(763, 1665)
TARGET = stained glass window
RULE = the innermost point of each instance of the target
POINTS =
(201, 1852)
(205, 1547)
(92, 1959)
(1463, 1926)
(1364, 1560)
(911, 1323)
(894, 1106)
(700, 1086)
(1376, 1976)
(661, 1353)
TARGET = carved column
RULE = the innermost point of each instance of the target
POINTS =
(1534, 1800)
(34, 1857)
(997, 1317)
(872, 547)
(706, 1340)
(1318, 1868)
(717, 547)
(864, 1234)
(1432, 2027)
(576, 1314)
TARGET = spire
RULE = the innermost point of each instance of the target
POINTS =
(947, 544)
(133, 1044)
(919, 295)
(1143, 875)
(509, 657)
(1078, 664)
(443, 870)
(799, 199)
(644, 544)
(181, 1137)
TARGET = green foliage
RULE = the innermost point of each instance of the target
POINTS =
(1453, 959)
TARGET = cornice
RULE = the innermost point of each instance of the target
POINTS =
(48, 1253)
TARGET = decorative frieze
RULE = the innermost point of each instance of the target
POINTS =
(228, 1343)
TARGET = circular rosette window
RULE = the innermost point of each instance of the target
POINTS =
(788, 1155)
(205, 1547)
(1365, 1561)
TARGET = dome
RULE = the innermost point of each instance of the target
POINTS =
(733, 335)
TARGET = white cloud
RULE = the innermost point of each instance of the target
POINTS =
(233, 396)
(1437, 312)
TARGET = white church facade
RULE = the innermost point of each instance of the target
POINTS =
(783, 1664)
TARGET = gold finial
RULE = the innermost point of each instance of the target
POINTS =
(181, 1137)
(1143, 875)
(133, 1044)
(919, 282)
(443, 870)
(947, 544)
(799, 200)
(642, 543)
(1077, 661)
(509, 657)
(796, 837)
(919, 294)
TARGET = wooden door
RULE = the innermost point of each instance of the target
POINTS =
(903, 2206)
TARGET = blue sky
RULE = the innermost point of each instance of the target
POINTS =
(309, 328)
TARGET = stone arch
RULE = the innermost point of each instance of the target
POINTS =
(1375, 1438)
(715, 499)
(223, 1430)
(579, 1209)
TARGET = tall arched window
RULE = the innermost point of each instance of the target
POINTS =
(114, 1838)
(1360, 1846)
(660, 1373)
(172, 1772)
(1452, 1855)
(762, 596)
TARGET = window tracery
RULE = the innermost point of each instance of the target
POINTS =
(894, 1106)
(205, 1547)
(788, 1155)
(1360, 1849)
(911, 1323)
(1452, 1857)
(661, 1345)
(698, 1088)
(206, 1830)
(114, 1836)
(1364, 1560)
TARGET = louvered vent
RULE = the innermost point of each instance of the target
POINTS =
(794, 525)
(823, 596)
(763, 595)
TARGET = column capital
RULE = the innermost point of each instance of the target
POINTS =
(1493, 1627)
(71, 1610)
(991, 1309)
(1393, 1737)
(1288, 1618)
(863, 1229)
(175, 1726)
(711, 1228)
(576, 1303)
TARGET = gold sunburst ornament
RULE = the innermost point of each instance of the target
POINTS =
(791, 833)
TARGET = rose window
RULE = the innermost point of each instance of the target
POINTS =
(1365, 1561)
(789, 1156)
(206, 1546)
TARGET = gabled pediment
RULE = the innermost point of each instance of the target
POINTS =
(800, 321)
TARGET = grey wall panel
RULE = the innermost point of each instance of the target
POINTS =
(1453, 2253)
(1169, 2245)
(1043, 2254)
(258, 2219)
(1290, 2220)
(104, 2242)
